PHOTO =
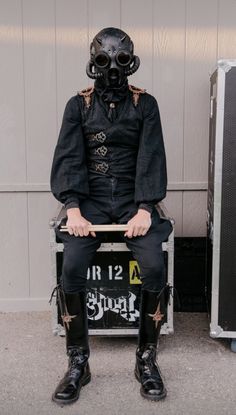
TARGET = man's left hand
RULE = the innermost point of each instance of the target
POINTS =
(139, 224)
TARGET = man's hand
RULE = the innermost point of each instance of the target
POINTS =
(77, 224)
(139, 224)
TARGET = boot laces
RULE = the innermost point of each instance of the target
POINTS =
(77, 360)
(77, 357)
(151, 372)
(149, 355)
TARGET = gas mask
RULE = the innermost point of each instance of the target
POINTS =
(112, 58)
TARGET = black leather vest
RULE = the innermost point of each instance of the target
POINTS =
(112, 146)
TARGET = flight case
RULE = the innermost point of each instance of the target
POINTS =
(114, 286)
(221, 223)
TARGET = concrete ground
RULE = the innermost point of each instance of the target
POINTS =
(199, 372)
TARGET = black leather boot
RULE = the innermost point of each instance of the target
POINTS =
(74, 315)
(152, 312)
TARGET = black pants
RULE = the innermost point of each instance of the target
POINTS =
(112, 200)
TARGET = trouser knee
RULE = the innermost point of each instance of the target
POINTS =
(154, 276)
(74, 275)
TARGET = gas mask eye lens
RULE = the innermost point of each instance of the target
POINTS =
(102, 60)
(123, 58)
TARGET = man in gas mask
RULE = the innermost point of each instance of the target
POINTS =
(109, 166)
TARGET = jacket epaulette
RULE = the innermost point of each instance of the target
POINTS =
(136, 93)
(87, 95)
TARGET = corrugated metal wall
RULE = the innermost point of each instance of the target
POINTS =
(44, 49)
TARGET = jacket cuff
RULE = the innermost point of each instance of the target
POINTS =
(71, 204)
(147, 206)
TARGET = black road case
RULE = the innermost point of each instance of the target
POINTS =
(221, 222)
(113, 285)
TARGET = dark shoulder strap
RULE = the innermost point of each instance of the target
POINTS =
(87, 95)
(136, 93)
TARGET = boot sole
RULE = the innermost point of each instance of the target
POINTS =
(63, 402)
(149, 397)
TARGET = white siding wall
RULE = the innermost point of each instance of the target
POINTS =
(44, 48)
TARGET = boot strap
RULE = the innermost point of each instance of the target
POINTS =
(61, 300)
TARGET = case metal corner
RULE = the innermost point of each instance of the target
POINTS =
(224, 65)
(215, 331)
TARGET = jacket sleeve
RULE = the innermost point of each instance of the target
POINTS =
(151, 175)
(69, 178)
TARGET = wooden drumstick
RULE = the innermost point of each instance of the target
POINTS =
(101, 228)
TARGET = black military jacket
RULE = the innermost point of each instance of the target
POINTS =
(130, 146)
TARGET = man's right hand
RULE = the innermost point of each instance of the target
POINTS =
(77, 225)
